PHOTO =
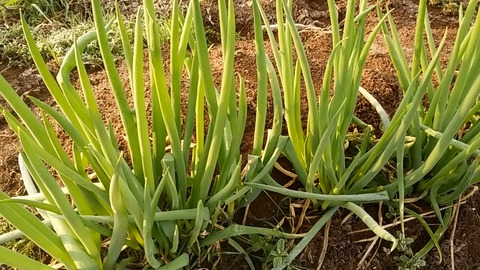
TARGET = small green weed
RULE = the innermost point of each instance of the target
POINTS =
(408, 259)
(278, 255)
(36, 11)
(55, 42)
(263, 243)
(55, 34)
(448, 6)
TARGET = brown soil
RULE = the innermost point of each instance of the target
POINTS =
(379, 79)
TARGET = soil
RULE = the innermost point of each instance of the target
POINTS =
(344, 250)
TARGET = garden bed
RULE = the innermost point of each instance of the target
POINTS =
(379, 78)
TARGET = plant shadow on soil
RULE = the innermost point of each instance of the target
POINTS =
(379, 79)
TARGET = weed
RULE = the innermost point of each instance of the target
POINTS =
(278, 255)
(408, 259)
(55, 42)
(36, 11)
(55, 36)
(261, 243)
(448, 6)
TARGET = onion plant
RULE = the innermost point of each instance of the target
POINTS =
(318, 153)
(156, 200)
(443, 160)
